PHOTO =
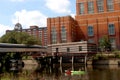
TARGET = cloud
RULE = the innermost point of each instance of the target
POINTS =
(58, 6)
(29, 18)
(72, 15)
(4, 28)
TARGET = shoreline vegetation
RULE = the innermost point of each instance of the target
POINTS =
(106, 58)
(107, 55)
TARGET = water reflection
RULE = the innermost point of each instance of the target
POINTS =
(57, 72)
(104, 72)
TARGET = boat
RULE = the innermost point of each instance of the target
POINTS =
(68, 72)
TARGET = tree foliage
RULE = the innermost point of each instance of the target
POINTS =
(104, 43)
(19, 38)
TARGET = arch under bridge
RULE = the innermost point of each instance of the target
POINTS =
(14, 52)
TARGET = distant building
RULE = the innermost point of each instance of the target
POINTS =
(39, 32)
(93, 20)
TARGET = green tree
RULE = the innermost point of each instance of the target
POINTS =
(104, 43)
(19, 38)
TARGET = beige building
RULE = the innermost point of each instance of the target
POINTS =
(82, 47)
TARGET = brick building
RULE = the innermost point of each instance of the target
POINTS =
(61, 30)
(39, 32)
(93, 20)
(96, 18)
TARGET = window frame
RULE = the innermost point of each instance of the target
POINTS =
(63, 34)
(111, 29)
(90, 30)
(100, 5)
(110, 5)
(90, 7)
(82, 8)
(53, 35)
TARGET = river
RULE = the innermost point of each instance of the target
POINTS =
(57, 72)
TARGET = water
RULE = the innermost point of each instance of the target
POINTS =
(57, 72)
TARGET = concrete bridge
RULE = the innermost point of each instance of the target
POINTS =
(13, 53)
(6, 48)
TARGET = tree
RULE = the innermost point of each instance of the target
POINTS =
(19, 38)
(105, 44)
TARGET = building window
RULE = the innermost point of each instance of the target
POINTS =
(80, 48)
(54, 35)
(81, 8)
(111, 29)
(40, 35)
(63, 34)
(68, 49)
(90, 31)
(90, 7)
(113, 42)
(100, 4)
(90, 40)
(34, 32)
(57, 50)
(110, 6)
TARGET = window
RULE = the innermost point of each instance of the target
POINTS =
(68, 49)
(90, 31)
(34, 32)
(113, 42)
(40, 35)
(81, 8)
(100, 4)
(63, 34)
(90, 7)
(90, 40)
(80, 48)
(57, 50)
(110, 6)
(111, 29)
(54, 35)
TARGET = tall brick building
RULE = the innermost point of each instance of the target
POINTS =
(93, 20)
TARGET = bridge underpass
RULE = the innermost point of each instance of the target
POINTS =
(17, 51)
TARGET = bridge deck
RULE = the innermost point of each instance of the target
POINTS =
(5, 47)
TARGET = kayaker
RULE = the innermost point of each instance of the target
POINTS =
(68, 72)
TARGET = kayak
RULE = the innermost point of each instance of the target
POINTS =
(68, 72)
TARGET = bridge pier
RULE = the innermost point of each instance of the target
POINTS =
(60, 60)
(72, 60)
(64, 59)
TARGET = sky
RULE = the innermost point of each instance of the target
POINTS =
(32, 12)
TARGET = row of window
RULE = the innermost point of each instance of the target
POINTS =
(111, 30)
(100, 6)
(54, 35)
(80, 48)
(68, 49)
